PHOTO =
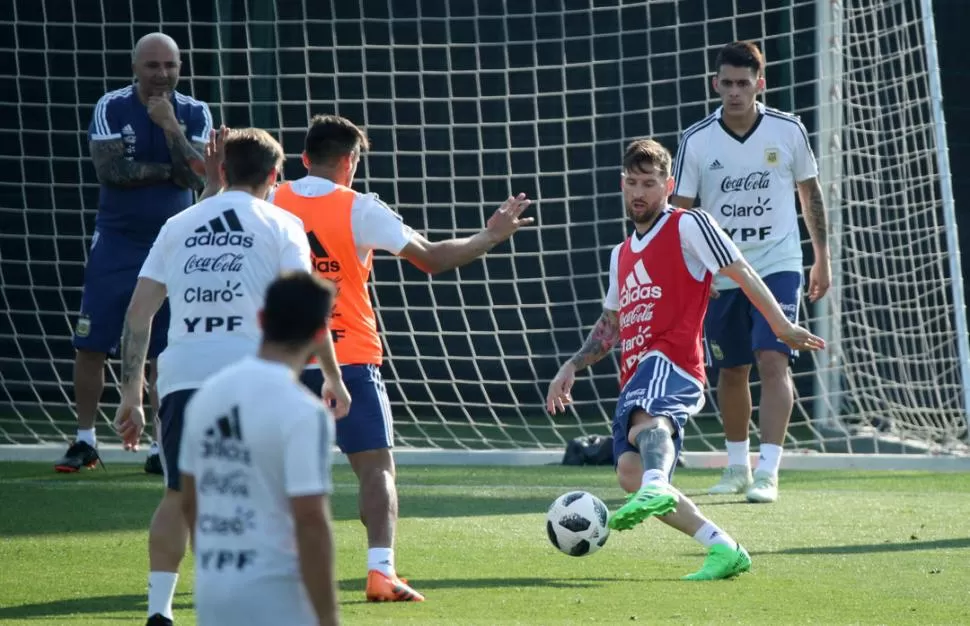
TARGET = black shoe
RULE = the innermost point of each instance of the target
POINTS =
(79, 455)
(158, 620)
(153, 464)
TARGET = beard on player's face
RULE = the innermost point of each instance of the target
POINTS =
(644, 194)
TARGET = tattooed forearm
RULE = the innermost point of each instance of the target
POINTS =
(182, 151)
(601, 340)
(114, 169)
(813, 210)
(134, 351)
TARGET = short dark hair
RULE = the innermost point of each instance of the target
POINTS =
(297, 306)
(331, 137)
(251, 154)
(647, 152)
(741, 54)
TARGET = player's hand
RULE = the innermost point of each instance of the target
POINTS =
(505, 221)
(215, 156)
(558, 395)
(161, 112)
(819, 280)
(714, 293)
(336, 397)
(797, 338)
(129, 422)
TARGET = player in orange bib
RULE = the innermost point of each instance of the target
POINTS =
(344, 228)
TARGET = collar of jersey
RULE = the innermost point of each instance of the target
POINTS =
(759, 105)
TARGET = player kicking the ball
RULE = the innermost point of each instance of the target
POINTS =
(660, 279)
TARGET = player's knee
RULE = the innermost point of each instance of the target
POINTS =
(640, 422)
(89, 359)
(773, 367)
(629, 472)
(734, 376)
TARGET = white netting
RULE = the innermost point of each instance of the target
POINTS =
(466, 102)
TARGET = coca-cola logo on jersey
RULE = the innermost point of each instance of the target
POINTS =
(749, 182)
(227, 262)
(640, 314)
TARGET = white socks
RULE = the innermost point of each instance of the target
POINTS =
(653, 477)
(381, 559)
(770, 458)
(710, 535)
(87, 436)
(161, 592)
(738, 452)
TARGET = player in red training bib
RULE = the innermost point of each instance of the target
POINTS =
(660, 279)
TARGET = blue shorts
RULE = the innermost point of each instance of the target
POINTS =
(109, 281)
(658, 387)
(734, 330)
(171, 417)
(368, 426)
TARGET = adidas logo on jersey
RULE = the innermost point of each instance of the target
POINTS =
(224, 230)
(638, 286)
(321, 258)
(224, 440)
(716, 165)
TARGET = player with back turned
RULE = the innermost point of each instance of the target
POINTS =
(145, 141)
(214, 261)
(659, 282)
(744, 162)
(345, 228)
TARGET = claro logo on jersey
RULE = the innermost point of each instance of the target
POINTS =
(638, 286)
(225, 230)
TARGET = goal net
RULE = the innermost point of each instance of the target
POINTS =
(467, 102)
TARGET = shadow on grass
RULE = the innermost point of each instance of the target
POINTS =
(869, 548)
(358, 584)
(85, 606)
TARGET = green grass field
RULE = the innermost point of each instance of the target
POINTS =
(838, 548)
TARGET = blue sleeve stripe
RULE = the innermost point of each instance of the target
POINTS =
(682, 150)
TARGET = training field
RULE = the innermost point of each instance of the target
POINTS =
(838, 548)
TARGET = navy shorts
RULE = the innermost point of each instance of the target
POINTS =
(109, 281)
(734, 329)
(658, 387)
(368, 425)
(171, 418)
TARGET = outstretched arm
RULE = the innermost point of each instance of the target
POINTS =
(441, 256)
(599, 343)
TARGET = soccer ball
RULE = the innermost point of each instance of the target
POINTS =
(576, 523)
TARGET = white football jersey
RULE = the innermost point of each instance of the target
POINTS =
(253, 438)
(216, 260)
(748, 184)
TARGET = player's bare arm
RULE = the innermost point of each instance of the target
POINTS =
(214, 158)
(114, 169)
(145, 302)
(761, 297)
(599, 343)
(334, 392)
(813, 211)
(441, 256)
(187, 161)
(314, 542)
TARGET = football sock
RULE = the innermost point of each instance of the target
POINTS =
(710, 535)
(738, 452)
(161, 592)
(770, 458)
(653, 477)
(381, 559)
(87, 436)
(656, 449)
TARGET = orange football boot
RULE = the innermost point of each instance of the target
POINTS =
(383, 588)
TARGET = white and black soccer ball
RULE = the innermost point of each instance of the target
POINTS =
(576, 523)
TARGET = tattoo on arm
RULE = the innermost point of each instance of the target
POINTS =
(134, 351)
(813, 210)
(601, 340)
(183, 151)
(114, 169)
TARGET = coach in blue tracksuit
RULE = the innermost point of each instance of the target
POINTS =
(146, 141)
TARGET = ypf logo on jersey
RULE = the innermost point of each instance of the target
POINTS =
(223, 231)
(638, 286)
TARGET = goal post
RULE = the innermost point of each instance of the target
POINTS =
(468, 102)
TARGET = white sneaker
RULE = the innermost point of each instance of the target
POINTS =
(764, 488)
(735, 479)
